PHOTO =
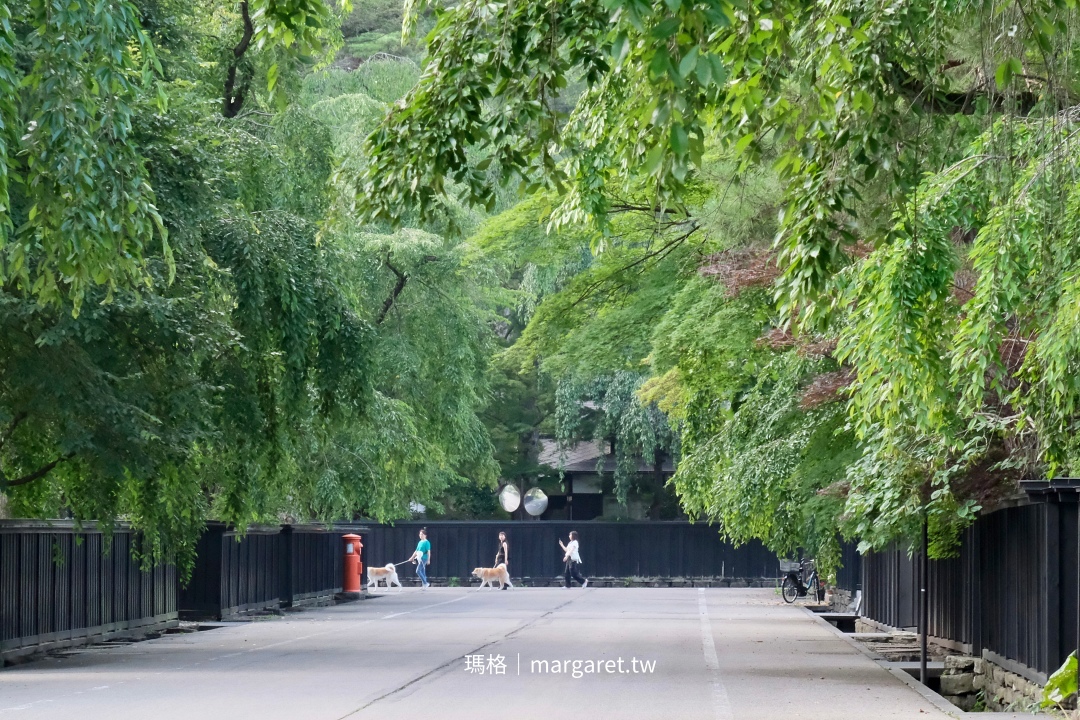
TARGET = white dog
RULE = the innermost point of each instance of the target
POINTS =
(388, 573)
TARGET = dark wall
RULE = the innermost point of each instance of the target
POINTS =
(849, 574)
(59, 586)
(315, 559)
(263, 568)
(615, 549)
(1010, 591)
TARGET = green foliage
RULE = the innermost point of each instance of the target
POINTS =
(518, 55)
(382, 80)
(610, 405)
(374, 28)
(753, 459)
(262, 366)
(1061, 684)
(520, 409)
(9, 84)
(84, 209)
(928, 215)
(309, 308)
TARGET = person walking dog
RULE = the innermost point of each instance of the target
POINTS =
(503, 555)
(572, 560)
(422, 556)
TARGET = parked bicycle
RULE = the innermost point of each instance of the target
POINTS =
(800, 578)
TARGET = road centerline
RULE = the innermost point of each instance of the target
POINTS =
(721, 702)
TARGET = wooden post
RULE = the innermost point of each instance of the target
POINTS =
(1050, 632)
(1078, 598)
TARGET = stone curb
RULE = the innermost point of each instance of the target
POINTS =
(911, 681)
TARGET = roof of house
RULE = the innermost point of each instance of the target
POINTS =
(583, 457)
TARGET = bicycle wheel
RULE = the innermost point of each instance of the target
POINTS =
(789, 589)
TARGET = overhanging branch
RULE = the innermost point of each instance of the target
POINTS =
(41, 472)
(658, 255)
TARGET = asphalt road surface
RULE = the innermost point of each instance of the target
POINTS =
(688, 654)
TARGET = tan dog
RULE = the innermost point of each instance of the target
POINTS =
(388, 573)
(488, 576)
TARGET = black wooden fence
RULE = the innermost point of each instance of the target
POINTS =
(1009, 595)
(313, 558)
(61, 586)
(849, 574)
(265, 567)
(611, 549)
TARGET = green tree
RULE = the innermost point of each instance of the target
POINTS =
(276, 360)
(927, 181)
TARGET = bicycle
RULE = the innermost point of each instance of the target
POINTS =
(799, 578)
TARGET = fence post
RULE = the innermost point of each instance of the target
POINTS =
(1051, 641)
(924, 600)
(285, 562)
(974, 580)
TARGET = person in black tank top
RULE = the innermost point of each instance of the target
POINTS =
(503, 555)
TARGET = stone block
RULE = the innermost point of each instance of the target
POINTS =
(861, 626)
(999, 676)
(959, 663)
(958, 684)
(978, 668)
(979, 683)
(964, 702)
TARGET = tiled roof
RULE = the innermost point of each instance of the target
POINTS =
(580, 454)
(582, 457)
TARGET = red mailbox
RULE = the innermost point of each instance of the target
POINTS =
(354, 565)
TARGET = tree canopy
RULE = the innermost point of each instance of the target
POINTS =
(912, 351)
(296, 259)
(193, 325)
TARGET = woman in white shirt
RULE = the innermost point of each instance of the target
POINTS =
(572, 559)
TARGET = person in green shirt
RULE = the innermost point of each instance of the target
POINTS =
(422, 556)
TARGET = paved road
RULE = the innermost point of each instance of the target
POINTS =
(719, 655)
